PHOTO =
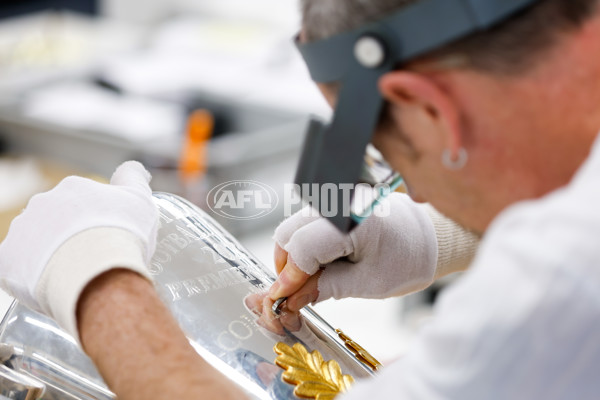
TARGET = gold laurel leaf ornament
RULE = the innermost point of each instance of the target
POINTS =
(313, 377)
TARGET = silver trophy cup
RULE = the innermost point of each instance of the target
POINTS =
(203, 274)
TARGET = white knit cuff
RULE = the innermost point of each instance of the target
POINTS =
(77, 262)
(456, 245)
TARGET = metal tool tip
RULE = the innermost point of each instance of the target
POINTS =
(278, 305)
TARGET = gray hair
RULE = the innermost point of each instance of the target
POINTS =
(508, 48)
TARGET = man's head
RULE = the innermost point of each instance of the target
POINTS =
(521, 99)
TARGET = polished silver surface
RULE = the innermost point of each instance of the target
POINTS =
(203, 275)
(17, 386)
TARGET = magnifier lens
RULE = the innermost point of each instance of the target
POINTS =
(377, 181)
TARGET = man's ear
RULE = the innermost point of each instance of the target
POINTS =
(416, 93)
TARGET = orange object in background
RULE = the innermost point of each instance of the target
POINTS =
(193, 160)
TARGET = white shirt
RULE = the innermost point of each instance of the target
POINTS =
(524, 321)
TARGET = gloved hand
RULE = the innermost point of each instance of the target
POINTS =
(68, 236)
(383, 257)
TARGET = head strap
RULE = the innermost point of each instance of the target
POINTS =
(416, 29)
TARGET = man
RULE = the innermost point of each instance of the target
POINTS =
(520, 100)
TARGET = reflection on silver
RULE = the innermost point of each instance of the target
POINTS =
(203, 274)
(17, 386)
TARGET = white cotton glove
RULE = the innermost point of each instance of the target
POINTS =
(383, 257)
(68, 236)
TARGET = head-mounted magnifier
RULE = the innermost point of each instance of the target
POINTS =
(357, 59)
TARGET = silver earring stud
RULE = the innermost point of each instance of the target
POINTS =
(455, 164)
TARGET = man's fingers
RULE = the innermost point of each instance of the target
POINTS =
(254, 303)
(260, 305)
(306, 295)
(268, 320)
(318, 243)
(281, 257)
(287, 228)
(289, 281)
(132, 174)
(290, 321)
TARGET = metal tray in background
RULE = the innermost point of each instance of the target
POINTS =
(260, 144)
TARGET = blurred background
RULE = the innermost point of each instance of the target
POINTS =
(88, 84)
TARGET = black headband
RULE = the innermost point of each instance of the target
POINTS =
(414, 30)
